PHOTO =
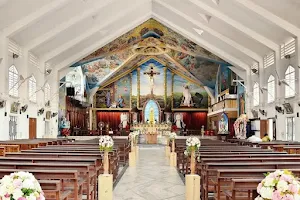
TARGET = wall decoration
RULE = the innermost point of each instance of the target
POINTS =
(241, 99)
(151, 112)
(134, 89)
(183, 90)
(48, 115)
(122, 92)
(223, 124)
(14, 108)
(152, 82)
(224, 78)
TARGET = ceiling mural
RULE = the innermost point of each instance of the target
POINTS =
(150, 40)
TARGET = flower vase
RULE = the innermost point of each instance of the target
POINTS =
(193, 162)
(106, 162)
(173, 145)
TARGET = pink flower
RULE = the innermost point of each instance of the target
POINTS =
(276, 195)
(288, 197)
(22, 198)
(7, 195)
(286, 178)
(293, 188)
(259, 187)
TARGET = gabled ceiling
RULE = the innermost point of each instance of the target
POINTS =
(63, 32)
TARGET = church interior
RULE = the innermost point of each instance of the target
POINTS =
(149, 99)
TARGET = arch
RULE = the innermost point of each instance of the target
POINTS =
(13, 80)
(32, 89)
(271, 89)
(156, 110)
(290, 82)
(256, 94)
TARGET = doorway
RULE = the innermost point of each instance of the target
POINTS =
(32, 128)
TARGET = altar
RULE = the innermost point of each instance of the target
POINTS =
(152, 133)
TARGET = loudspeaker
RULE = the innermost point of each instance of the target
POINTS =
(27, 116)
(232, 90)
(5, 114)
(297, 114)
(70, 91)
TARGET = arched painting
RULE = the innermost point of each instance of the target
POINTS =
(151, 112)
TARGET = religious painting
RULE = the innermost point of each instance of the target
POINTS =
(152, 82)
(122, 90)
(14, 108)
(103, 98)
(223, 124)
(151, 112)
(169, 89)
(224, 78)
(134, 89)
(48, 115)
(241, 99)
(188, 95)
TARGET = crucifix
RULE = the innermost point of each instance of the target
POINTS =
(151, 75)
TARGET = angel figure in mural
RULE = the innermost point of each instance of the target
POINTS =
(187, 97)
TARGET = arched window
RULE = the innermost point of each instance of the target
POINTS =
(290, 82)
(13, 78)
(32, 89)
(271, 89)
(47, 92)
(256, 94)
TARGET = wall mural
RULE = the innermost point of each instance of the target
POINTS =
(134, 89)
(241, 99)
(188, 95)
(152, 82)
(169, 89)
(224, 78)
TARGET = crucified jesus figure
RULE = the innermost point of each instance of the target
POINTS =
(151, 75)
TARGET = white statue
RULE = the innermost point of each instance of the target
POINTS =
(124, 120)
(187, 96)
(178, 121)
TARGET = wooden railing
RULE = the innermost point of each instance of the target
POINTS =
(227, 103)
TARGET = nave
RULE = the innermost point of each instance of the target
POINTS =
(152, 179)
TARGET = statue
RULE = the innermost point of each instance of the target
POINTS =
(108, 103)
(179, 122)
(151, 116)
(202, 130)
(124, 120)
(120, 102)
(187, 97)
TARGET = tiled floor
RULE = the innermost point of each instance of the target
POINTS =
(152, 179)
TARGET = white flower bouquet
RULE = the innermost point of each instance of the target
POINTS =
(279, 185)
(106, 143)
(133, 135)
(193, 144)
(172, 135)
(20, 186)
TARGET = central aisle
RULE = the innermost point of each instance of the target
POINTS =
(152, 179)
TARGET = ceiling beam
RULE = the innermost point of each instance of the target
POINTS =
(270, 16)
(239, 26)
(208, 46)
(90, 32)
(216, 34)
(88, 50)
(65, 25)
(33, 17)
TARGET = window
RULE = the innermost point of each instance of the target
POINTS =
(290, 82)
(290, 129)
(269, 59)
(271, 89)
(13, 79)
(256, 94)
(47, 92)
(288, 48)
(32, 89)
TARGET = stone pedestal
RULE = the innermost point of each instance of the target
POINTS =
(105, 187)
(132, 159)
(168, 151)
(192, 187)
(173, 159)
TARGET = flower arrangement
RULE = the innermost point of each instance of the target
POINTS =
(134, 135)
(193, 143)
(279, 185)
(172, 135)
(20, 186)
(106, 143)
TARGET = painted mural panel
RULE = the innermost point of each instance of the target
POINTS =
(152, 82)
(122, 92)
(203, 69)
(169, 89)
(224, 78)
(183, 89)
(241, 99)
(134, 89)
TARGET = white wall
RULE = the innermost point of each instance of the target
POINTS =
(25, 68)
(281, 66)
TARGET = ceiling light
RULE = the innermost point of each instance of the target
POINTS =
(199, 31)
